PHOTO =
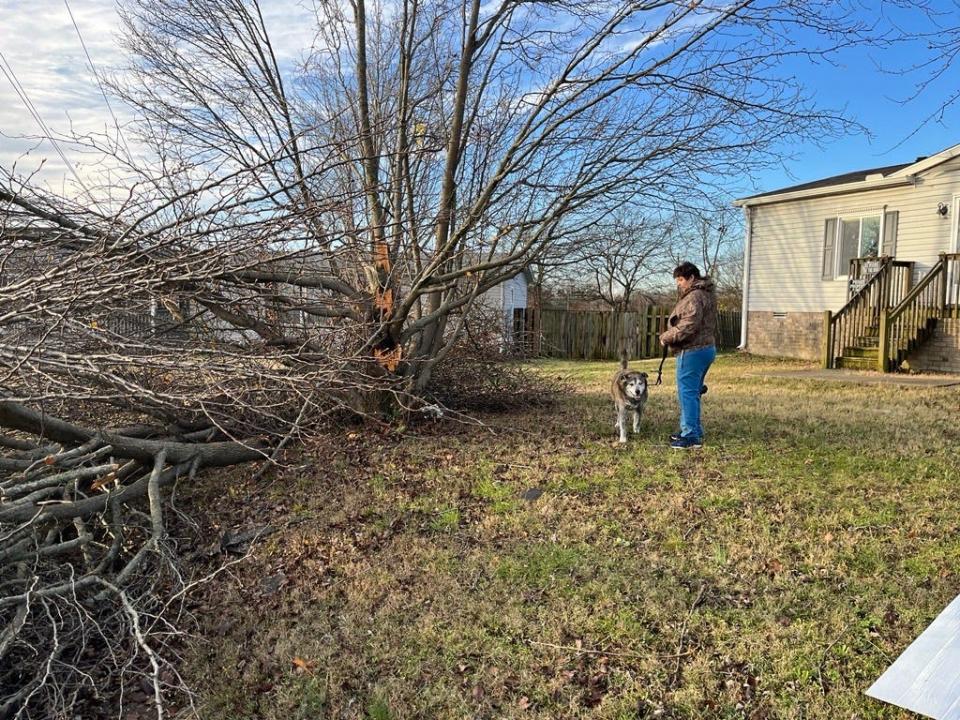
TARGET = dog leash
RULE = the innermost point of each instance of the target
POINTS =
(663, 359)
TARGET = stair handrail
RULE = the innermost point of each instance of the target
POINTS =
(885, 264)
(886, 355)
(922, 285)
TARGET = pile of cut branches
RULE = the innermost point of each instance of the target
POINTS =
(88, 577)
(483, 371)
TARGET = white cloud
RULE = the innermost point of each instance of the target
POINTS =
(656, 34)
(291, 25)
(42, 49)
(41, 46)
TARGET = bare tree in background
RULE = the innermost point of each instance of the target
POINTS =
(291, 246)
(622, 255)
(711, 238)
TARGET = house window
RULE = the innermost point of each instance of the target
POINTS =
(859, 237)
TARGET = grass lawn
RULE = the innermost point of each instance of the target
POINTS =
(773, 574)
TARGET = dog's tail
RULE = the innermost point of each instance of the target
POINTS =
(623, 359)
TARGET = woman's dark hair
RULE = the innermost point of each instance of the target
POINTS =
(687, 270)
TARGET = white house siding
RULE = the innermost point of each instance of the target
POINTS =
(505, 298)
(787, 244)
(492, 300)
(514, 298)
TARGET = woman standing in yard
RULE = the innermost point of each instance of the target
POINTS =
(691, 334)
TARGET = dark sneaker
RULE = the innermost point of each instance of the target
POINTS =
(703, 390)
(686, 443)
(676, 436)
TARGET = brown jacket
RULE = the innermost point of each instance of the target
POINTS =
(693, 322)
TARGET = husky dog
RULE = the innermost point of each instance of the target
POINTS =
(629, 392)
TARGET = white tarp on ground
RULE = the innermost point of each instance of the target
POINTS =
(926, 677)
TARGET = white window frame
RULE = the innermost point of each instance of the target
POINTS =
(843, 273)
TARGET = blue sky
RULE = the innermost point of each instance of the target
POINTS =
(863, 83)
(41, 46)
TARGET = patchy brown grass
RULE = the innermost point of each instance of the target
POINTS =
(774, 574)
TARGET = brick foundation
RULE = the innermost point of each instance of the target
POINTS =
(795, 335)
(941, 352)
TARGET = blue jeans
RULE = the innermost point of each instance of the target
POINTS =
(692, 366)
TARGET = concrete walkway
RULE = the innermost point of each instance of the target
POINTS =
(856, 377)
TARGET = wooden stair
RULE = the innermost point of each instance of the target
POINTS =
(863, 354)
(852, 336)
(889, 317)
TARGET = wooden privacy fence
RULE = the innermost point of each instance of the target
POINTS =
(728, 329)
(600, 335)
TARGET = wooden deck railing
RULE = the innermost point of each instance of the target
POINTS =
(862, 269)
(936, 295)
(860, 317)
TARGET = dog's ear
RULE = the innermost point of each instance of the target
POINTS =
(643, 375)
